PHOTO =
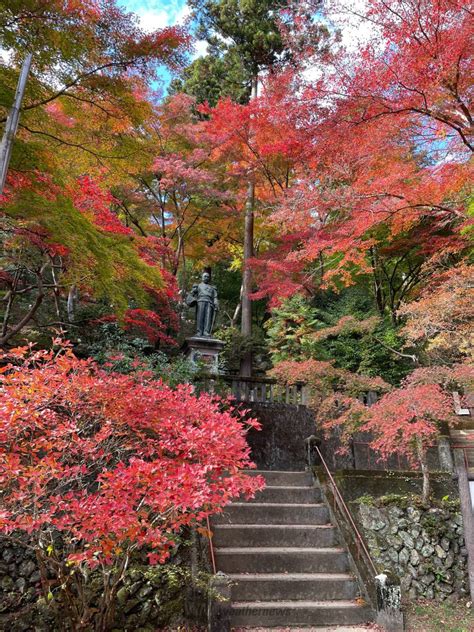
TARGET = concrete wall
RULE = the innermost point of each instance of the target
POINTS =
(424, 546)
(354, 484)
(279, 445)
(359, 455)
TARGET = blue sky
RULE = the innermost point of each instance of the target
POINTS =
(156, 14)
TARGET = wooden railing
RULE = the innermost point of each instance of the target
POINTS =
(267, 391)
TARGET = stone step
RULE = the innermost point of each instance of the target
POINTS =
(288, 494)
(301, 613)
(241, 535)
(273, 513)
(287, 479)
(236, 560)
(298, 628)
(293, 586)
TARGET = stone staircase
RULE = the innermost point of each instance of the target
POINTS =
(282, 555)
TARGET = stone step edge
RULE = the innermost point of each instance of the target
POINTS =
(290, 577)
(249, 525)
(247, 471)
(299, 628)
(297, 605)
(288, 487)
(278, 549)
(252, 504)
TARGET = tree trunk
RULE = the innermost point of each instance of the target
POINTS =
(424, 470)
(237, 310)
(246, 321)
(71, 303)
(12, 122)
(9, 333)
(378, 290)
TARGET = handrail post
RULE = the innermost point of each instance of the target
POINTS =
(389, 599)
(219, 604)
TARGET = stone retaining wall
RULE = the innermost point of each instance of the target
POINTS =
(423, 546)
(151, 598)
(19, 576)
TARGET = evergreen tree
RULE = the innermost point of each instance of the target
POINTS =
(213, 76)
(244, 38)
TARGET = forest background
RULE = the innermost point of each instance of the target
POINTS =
(326, 183)
(323, 177)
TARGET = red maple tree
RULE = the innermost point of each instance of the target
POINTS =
(385, 172)
(97, 465)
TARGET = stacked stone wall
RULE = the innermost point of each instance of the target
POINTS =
(151, 597)
(423, 546)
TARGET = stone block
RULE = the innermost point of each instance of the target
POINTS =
(403, 557)
(427, 550)
(407, 539)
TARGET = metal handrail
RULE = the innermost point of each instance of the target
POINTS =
(211, 546)
(359, 538)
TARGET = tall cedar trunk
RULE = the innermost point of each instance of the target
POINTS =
(246, 321)
(378, 290)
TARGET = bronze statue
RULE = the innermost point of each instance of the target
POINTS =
(204, 296)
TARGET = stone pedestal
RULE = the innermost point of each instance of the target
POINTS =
(204, 351)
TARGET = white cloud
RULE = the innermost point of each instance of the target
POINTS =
(182, 14)
(157, 14)
(200, 48)
(6, 55)
(313, 73)
(152, 19)
(355, 31)
(153, 16)
(347, 17)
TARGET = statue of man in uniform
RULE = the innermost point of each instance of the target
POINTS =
(204, 296)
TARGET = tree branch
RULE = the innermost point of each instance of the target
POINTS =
(413, 358)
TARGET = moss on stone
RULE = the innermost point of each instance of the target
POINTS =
(403, 501)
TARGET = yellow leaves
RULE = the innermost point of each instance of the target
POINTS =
(236, 252)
